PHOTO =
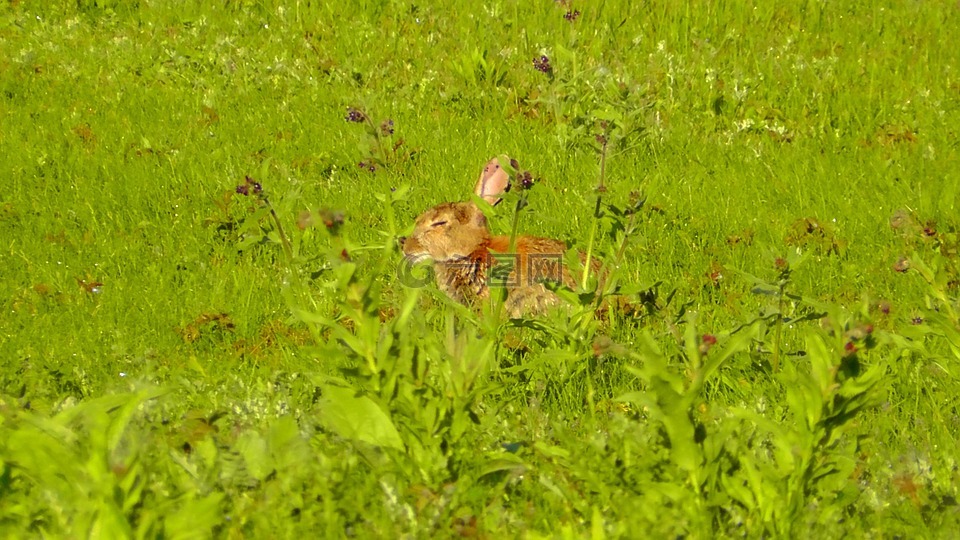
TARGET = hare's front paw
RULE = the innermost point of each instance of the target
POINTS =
(530, 300)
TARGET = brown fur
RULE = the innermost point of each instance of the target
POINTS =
(455, 237)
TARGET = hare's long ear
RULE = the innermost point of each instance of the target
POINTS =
(493, 181)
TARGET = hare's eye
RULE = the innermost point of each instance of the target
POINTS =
(438, 223)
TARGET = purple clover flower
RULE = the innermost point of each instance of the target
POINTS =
(247, 185)
(572, 15)
(542, 64)
(526, 180)
(386, 127)
(257, 188)
(355, 115)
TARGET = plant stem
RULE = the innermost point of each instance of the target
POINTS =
(779, 328)
(376, 134)
(516, 219)
(601, 189)
(287, 248)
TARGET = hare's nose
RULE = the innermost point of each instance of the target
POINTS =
(401, 240)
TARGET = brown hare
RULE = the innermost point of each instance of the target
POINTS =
(455, 237)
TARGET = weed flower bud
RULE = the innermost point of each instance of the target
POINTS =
(355, 115)
(526, 180)
(248, 185)
(707, 341)
(386, 127)
(542, 64)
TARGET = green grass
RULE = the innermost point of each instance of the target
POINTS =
(168, 371)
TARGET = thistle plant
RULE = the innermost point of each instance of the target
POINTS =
(382, 149)
(251, 187)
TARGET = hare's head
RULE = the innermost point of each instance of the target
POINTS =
(452, 231)
(447, 232)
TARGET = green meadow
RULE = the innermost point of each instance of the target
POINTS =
(207, 328)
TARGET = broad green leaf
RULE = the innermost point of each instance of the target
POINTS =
(596, 525)
(125, 413)
(286, 445)
(737, 343)
(252, 446)
(357, 417)
(195, 518)
(507, 462)
(552, 451)
(821, 363)
(675, 415)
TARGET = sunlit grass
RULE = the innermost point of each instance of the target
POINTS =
(816, 138)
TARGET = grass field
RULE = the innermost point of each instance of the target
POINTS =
(780, 227)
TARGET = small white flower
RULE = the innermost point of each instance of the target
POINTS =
(743, 125)
(740, 92)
